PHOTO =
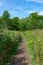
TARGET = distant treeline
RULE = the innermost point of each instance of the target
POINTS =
(33, 21)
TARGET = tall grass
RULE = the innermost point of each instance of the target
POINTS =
(34, 44)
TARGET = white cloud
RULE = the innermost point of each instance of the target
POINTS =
(29, 11)
(18, 8)
(40, 13)
(39, 1)
(1, 4)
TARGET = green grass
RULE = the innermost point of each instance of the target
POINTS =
(9, 40)
(34, 44)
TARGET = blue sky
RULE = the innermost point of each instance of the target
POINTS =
(21, 8)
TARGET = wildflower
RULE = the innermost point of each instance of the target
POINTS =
(39, 40)
(31, 41)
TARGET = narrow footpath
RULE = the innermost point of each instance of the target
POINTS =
(22, 57)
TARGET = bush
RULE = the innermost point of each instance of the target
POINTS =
(9, 42)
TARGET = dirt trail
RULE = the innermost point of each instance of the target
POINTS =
(21, 57)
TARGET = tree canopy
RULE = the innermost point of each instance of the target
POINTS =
(33, 21)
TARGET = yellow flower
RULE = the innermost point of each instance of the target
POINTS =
(39, 40)
(31, 41)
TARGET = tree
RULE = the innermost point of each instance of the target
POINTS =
(15, 23)
(5, 15)
(5, 18)
(1, 23)
(34, 20)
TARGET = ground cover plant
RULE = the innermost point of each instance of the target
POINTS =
(34, 44)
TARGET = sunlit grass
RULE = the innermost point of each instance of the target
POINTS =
(34, 43)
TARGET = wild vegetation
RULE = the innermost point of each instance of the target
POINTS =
(34, 44)
(10, 36)
(9, 42)
(33, 21)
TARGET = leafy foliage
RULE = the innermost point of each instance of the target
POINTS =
(33, 21)
(9, 42)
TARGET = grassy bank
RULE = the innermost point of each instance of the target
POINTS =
(34, 44)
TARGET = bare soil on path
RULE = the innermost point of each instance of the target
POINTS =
(22, 57)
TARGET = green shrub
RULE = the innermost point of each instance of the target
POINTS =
(9, 42)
